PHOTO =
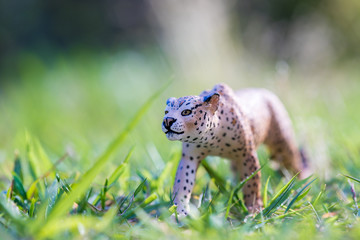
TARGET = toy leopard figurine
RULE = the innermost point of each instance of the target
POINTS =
(232, 125)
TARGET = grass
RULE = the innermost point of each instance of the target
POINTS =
(82, 155)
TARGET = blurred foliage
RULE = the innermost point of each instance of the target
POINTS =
(47, 27)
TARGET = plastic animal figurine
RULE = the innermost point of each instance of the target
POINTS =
(229, 124)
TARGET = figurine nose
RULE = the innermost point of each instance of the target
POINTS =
(168, 121)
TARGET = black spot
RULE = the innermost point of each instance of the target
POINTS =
(191, 158)
(187, 174)
(227, 144)
(224, 134)
(198, 146)
(184, 188)
(185, 196)
(187, 166)
(195, 123)
(192, 171)
(178, 180)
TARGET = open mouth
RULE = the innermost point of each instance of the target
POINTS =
(171, 131)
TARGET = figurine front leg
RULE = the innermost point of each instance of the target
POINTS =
(185, 181)
(251, 190)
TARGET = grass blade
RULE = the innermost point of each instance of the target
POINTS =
(18, 186)
(237, 188)
(265, 197)
(352, 178)
(32, 207)
(141, 186)
(298, 194)
(220, 182)
(319, 195)
(280, 196)
(18, 168)
(145, 203)
(116, 174)
(118, 171)
(283, 189)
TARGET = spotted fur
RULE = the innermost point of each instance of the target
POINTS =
(230, 125)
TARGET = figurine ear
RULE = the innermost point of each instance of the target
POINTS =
(212, 101)
(170, 102)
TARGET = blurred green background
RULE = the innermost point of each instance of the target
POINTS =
(73, 73)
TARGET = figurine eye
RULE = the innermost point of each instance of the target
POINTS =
(166, 112)
(186, 112)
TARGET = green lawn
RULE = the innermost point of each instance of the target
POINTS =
(82, 154)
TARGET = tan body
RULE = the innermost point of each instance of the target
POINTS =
(230, 125)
